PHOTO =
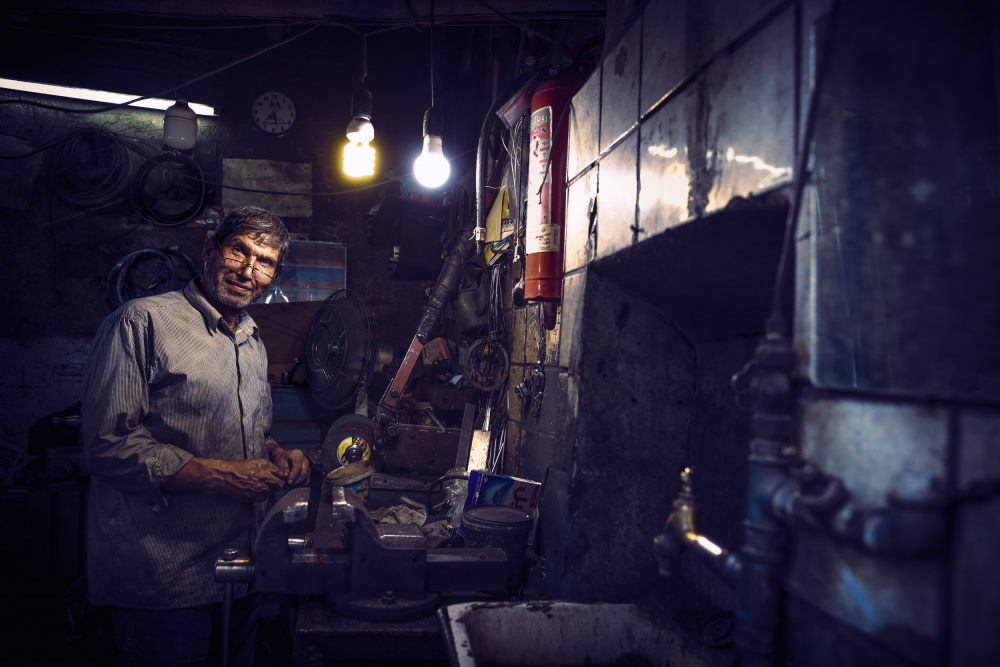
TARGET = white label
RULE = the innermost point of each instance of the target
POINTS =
(542, 234)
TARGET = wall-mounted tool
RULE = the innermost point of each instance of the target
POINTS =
(414, 447)
(532, 389)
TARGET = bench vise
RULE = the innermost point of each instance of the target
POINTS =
(366, 570)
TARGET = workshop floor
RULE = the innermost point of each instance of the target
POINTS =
(48, 623)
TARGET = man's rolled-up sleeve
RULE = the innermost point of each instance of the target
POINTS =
(118, 446)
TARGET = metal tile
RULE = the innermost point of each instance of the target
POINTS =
(897, 601)
(979, 452)
(664, 183)
(581, 205)
(572, 309)
(719, 23)
(620, 87)
(584, 126)
(664, 44)
(806, 285)
(616, 191)
(867, 444)
(976, 584)
(749, 140)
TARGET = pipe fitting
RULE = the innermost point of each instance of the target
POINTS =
(681, 532)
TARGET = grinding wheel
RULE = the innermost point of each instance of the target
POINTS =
(349, 440)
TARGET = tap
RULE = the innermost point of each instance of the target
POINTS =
(681, 532)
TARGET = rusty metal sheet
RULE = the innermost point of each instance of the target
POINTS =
(422, 449)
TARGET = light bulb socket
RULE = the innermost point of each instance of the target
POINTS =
(433, 123)
(361, 103)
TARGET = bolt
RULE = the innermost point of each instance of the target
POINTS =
(389, 597)
(229, 554)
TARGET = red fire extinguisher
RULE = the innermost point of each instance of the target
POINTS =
(546, 205)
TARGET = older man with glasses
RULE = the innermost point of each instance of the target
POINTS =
(176, 427)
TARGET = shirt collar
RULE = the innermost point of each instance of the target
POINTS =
(213, 320)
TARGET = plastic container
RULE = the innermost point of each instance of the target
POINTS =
(356, 477)
(499, 526)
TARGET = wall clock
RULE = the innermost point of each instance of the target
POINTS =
(273, 112)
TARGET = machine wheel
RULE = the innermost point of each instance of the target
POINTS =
(349, 440)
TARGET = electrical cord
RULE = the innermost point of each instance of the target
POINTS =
(90, 168)
(167, 91)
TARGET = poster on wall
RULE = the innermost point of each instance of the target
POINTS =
(284, 188)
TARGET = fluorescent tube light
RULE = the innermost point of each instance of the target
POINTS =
(98, 96)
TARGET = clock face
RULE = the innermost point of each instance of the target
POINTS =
(273, 112)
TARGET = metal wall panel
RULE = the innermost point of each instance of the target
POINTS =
(664, 173)
(620, 87)
(617, 185)
(749, 140)
(584, 119)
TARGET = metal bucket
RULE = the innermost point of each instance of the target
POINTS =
(503, 527)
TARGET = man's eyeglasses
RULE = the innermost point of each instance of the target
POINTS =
(240, 266)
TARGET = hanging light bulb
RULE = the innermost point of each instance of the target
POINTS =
(431, 168)
(180, 126)
(359, 156)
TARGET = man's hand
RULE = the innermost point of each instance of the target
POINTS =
(251, 480)
(291, 463)
(247, 480)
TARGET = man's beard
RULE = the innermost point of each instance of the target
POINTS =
(215, 286)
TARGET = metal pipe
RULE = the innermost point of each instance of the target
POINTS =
(765, 535)
(228, 555)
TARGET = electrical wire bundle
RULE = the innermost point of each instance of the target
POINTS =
(147, 272)
(497, 402)
(91, 168)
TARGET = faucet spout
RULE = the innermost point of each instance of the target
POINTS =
(681, 532)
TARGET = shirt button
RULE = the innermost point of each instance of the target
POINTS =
(156, 508)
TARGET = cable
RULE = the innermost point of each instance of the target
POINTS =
(168, 90)
(90, 168)
(522, 26)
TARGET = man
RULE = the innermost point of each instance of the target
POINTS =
(176, 427)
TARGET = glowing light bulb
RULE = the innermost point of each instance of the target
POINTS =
(359, 156)
(431, 168)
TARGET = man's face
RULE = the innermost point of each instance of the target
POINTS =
(237, 273)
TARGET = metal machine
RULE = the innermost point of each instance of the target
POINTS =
(356, 578)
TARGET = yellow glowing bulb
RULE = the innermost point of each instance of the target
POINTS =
(359, 159)
(359, 156)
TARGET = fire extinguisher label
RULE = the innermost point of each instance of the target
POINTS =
(540, 234)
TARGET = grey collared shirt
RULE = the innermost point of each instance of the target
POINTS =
(167, 381)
